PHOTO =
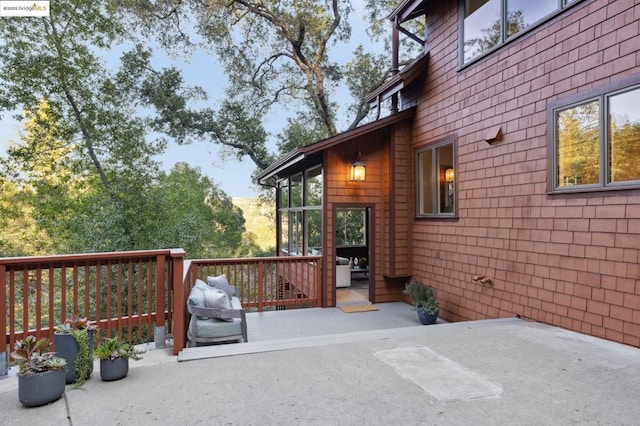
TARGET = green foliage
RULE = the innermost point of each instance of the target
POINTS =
(259, 237)
(33, 356)
(423, 296)
(193, 213)
(112, 348)
(68, 95)
(141, 208)
(82, 368)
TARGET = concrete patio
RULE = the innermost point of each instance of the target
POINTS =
(506, 371)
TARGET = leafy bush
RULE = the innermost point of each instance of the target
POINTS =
(422, 295)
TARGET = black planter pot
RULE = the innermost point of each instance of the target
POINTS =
(427, 318)
(114, 369)
(67, 348)
(41, 388)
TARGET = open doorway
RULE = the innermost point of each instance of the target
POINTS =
(353, 272)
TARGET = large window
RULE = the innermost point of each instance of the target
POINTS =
(597, 142)
(489, 23)
(435, 180)
(300, 213)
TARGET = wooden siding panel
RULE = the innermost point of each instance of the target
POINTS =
(568, 261)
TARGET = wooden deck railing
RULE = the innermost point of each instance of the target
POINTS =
(266, 282)
(127, 294)
(131, 294)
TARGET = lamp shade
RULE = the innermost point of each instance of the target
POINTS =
(358, 171)
(448, 175)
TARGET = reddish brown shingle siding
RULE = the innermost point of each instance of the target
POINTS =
(570, 261)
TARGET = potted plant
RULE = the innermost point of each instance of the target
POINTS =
(424, 301)
(41, 374)
(114, 356)
(74, 342)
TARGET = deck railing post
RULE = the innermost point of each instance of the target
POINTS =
(260, 284)
(159, 332)
(319, 293)
(3, 319)
(179, 300)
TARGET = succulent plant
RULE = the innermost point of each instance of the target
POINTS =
(112, 348)
(33, 356)
(75, 323)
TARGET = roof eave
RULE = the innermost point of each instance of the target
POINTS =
(407, 10)
(301, 153)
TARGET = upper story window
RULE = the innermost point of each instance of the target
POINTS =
(490, 23)
(596, 142)
(435, 181)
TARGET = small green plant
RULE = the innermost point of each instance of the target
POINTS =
(112, 348)
(33, 356)
(423, 296)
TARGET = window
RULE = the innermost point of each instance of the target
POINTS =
(296, 191)
(313, 187)
(300, 213)
(435, 181)
(489, 23)
(597, 142)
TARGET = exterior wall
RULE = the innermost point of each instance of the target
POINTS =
(389, 200)
(339, 191)
(571, 260)
(399, 206)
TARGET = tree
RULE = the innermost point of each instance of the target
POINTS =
(93, 105)
(86, 167)
(276, 54)
(41, 172)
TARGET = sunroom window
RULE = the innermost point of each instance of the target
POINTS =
(435, 181)
(597, 142)
(300, 213)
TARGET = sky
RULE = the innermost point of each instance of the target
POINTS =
(231, 175)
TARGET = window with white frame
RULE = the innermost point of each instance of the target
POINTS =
(435, 180)
(597, 142)
(490, 23)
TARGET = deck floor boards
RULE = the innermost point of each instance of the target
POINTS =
(278, 330)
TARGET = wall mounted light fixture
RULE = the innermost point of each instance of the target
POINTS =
(448, 175)
(358, 171)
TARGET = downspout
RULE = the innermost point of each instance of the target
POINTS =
(395, 47)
